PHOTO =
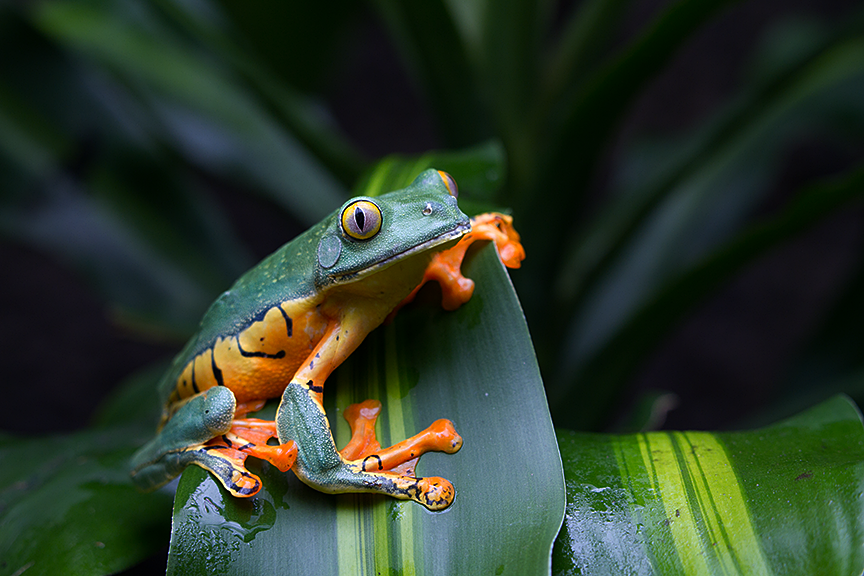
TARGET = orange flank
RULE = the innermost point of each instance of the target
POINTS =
(258, 362)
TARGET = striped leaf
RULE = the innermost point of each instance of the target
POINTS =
(475, 366)
(785, 499)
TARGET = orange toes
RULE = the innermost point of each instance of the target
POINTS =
(436, 493)
(442, 437)
(361, 418)
(282, 456)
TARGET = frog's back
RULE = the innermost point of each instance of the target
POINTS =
(263, 324)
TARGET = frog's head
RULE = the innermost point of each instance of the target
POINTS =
(369, 234)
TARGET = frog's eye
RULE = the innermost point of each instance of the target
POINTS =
(450, 183)
(361, 220)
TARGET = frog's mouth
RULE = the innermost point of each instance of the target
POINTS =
(449, 236)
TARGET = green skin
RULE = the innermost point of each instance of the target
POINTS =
(357, 283)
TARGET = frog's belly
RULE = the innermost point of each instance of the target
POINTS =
(259, 362)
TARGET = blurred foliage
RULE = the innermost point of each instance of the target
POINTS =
(125, 125)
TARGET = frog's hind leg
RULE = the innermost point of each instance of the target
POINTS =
(202, 432)
(225, 456)
(362, 466)
(251, 437)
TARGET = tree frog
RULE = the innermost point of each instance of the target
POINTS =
(285, 325)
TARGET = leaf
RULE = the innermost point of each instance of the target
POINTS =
(199, 104)
(438, 48)
(67, 505)
(562, 158)
(508, 60)
(297, 56)
(479, 173)
(783, 499)
(730, 158)
(581, 124)
(422, 367)
(145, 286)
(604, 374)
(587, 35)
(634, 253)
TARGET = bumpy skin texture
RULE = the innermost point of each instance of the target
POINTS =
(287, 324)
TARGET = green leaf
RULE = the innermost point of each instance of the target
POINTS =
(479, 173)
(233, 36)
(562, 156)
(587, 35)
(146, 286)
(730, 159)
(199, 103)
(67, 505)
(439, 45)
(422, 367)
(783, 499)
(605, 373)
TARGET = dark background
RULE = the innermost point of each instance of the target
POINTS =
(62, 352)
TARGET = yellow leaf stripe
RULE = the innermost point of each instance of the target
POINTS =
(694, 502)
(391, 524)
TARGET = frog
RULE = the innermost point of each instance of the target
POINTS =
(289, 322)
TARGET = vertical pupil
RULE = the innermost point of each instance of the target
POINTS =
(359, 218)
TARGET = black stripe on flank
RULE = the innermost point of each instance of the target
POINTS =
(194, 383)
(217, 372)
(260, 318)
(247, 354)
(289, 324)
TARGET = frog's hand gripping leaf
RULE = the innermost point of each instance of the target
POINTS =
(322, 292)
(446, 266)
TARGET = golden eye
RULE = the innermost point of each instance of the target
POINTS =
(361, 220)
(450, 183)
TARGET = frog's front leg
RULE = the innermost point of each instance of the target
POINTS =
(390, 472)
(400, 458)
(203, 432)
(446, 266)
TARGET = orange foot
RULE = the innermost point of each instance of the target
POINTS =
(401, 458)
(249, 437)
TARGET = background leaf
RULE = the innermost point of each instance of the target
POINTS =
(783, 499)
(67, 504)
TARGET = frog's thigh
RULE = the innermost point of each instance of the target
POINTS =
(181, 442)
(320, 466)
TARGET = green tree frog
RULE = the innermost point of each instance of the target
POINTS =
(285, 325)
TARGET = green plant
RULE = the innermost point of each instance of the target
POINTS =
(122, 122)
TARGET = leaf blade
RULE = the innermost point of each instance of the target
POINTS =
(733, 503)
(421, 383)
